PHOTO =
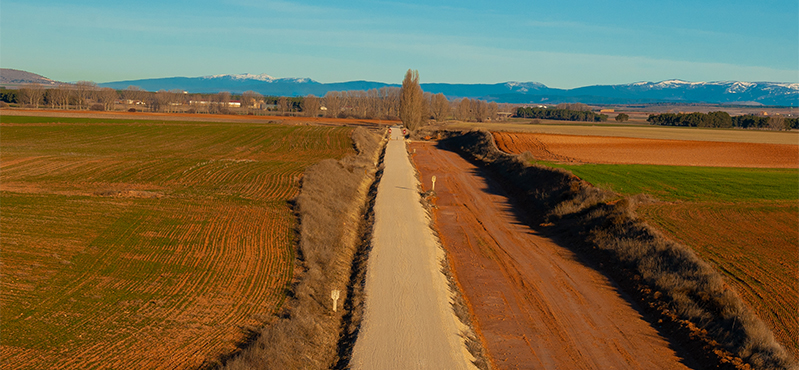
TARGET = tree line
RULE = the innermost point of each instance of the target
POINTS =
(382, 103)
(563, 112)
(723, 120)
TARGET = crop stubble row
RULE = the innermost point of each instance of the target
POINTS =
(168, 277)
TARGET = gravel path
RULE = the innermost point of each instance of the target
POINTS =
(408, 321)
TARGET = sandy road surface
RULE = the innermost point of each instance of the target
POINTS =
(535, 305)
(408, 322)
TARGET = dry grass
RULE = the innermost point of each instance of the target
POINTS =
(675, 285)
(330, 208)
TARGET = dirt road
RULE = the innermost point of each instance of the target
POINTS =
(408, 321)
(536, 306)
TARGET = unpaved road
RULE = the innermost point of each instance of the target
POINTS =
(536, 306)
(408, 321)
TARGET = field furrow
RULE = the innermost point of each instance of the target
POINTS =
(146, 245)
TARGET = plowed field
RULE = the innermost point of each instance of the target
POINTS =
(754, 244)
(146, 245)
(623, 150)
(741, 218)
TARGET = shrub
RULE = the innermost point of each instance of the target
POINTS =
(97, 107)
(683, 289)
(330, 206)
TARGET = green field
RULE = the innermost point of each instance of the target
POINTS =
(143, 244)
(745, 221)
(675, 183)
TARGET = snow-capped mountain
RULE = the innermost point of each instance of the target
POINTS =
(261, 77)
(767, 93)
(675, 90)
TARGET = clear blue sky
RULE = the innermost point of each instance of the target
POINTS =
(565, 43)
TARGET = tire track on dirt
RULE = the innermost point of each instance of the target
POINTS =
(535, 304)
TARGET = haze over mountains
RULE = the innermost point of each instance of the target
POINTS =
(678, 91)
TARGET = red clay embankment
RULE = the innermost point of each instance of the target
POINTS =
(535, 305)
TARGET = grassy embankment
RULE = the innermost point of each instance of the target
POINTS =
(742, 220)
(688, 298)
(142, 244)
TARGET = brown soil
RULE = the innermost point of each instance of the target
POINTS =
(534, 303)
(623, 150)
(170, 267)
(753, 244)
(198, 117)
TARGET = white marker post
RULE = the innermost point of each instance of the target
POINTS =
(434, 184)
(334, 294)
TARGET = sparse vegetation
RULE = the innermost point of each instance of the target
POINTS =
(689, 297)
(330, 208)
(742, 220)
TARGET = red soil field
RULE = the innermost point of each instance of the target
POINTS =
(623, 150)
(146, 245)
(534, 304)
(198, 117)
(755, 245)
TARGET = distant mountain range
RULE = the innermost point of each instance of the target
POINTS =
(670, 91)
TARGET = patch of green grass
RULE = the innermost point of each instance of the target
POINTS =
(673, 183)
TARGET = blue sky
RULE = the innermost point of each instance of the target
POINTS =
(563, 44)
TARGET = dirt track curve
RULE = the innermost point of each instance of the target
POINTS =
(535, 305)
(408, 321)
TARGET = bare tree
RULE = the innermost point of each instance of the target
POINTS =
(250, 100)
(61, 95)
(83, 91)
(389, 102)
(333, 103)
(776, 123)
(133, 95)
(222, 100)
(310, 106)
(283, 105)
(439, 107)
(411, 101)
(31, 94)
(493, 111)
(107, 97)
(58, 96)
(463, 110)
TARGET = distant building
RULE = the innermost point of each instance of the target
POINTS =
(609, 110)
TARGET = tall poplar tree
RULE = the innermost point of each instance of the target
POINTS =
(412, 104)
